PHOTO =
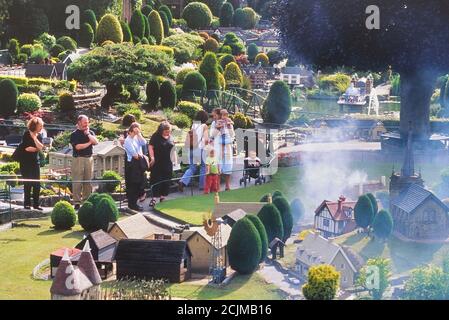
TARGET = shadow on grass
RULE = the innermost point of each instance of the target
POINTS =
(210, 292)
(8, 240)
(71, 234)
(373, 248)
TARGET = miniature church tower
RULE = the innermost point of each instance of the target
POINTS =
(407, 177)
(81, 282)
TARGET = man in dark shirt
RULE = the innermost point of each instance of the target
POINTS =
(82, 141)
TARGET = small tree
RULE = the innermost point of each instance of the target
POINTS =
(66, 102)
(383, 224)
(287, 219)
(211, 45)
(67, 43)
(263, 59)
(106, 211)
(86, 35)
(168, 13)
(235, 43)
(244, 247)
(109, 29)
(277, 106)
(90, 18)
(156, 26)
(137, 24)
(168, 95)
(382, 269)
(197, 15)
(298, 210)
(153, 94)
(110, 187)
(182, 74)
(233, 75)
(13, 48)
(9, 94)
(323, 282)
(363, 212)
(165, 23)
(63, 216)
(147, 29)
(226, 15)
(253, 51)
(272, 220)
(373, 200)
(226, 59)
(262, 233)
(127, 35)
(427, 283)
(194, 84)
(209, 69)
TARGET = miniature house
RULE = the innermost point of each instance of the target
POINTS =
(137, 227)
(56, 257)
(335, 218)
(154, 259)
(234, 216)
(81, 282)
(201, 246)
(103, 249)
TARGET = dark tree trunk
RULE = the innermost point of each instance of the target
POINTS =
(416, 92)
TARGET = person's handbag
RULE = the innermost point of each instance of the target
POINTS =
(18, 153)
(145, 163)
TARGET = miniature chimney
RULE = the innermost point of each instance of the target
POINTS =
(341, 200)
(87, 265)
(66, 282)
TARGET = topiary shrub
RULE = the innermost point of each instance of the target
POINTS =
(67, 43)
(298, 210)
(165, 23)
(237, 45)
(250, 18)
(146, 9)
(13, 48)
(63, 216)
(136, 40)
(253, 51)
(278, 105)
(137, 113)
(286, 214)
(182, 121)
(21, 58)
(106, 211)
(322, 283)
(373, 202)
(226, 59)
(383, 224)
(262, 59)
(156, 26)
(211, 45)
(190, 109)
(9, 93)
(38, 56)
(244, 247)
(110, 186)
(97, 215)
(233, 75)
(66, 102)
(86, 216)
(86, 35)
(90, 18)
(221, 80)
(144, 41)
(109, 29)
(262, 233)
(226, 15)
(239, 18)
(180, 77)
(272, 220)
(277, 193)
(147, 31)
(209, 69)
(363, 212)
(225, 49)
(127, 35)
(153, 94)
(197, 15)
(27, 49)
(137, 24)
(194, 84)
(56, 50)
(239, 121)
(168, 13)
(47, 40)
(168, 95)
(28, 102)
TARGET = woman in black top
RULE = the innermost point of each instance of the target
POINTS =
(29, 161)
(161, 164)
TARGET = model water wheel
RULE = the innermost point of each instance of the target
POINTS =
(211, 226)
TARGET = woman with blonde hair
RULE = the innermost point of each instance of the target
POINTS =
(29, 161)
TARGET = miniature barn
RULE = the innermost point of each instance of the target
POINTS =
(138, 227)
(201, 245)
(57, 256)
(154, 259)
(103, 249)
(234, 216)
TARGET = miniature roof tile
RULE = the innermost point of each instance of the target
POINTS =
(138, 227)
(335, 212)
(236, 215)
(162, 251)
(225, 234)
(66, 281)
(412, 197)
(86, 265)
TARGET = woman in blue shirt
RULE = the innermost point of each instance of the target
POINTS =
(134, 173)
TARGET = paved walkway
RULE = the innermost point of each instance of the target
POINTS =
(272, 273)
(352, 145)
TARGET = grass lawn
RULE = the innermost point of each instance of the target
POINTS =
(248, 287)
(148, 123)
(404, 256)
(22, 249)
(192, 209)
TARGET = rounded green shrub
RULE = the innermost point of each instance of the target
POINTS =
(211, 45)
(109, 29)
(233, 75)
(180, 77)
(182, 121)
(226, 15)
(22, 58)
(237, 45)
(262, 233)
(86, 216)
(239, 17)
(272, 221)
(38, 56)
(253, 51)
(286, 214)
(47, 40)
(363, 212)
(63, 216)
(146, 9)
(67, 43)
(165, 23)
(373, 202)
(106, 211)
(168, 95)
(90, 18)
(194, 84)
(147, 27)
(110, 186)
(27, 49)
(383, 224)
(137, 24)
(156, 26)
(28, 102)
(226, 59)
(168, 13)
(153, 94)
(225, 49)
(9, 93)
(56, 50)
(278, 105)
(209, 69)
(239, 121)
(127, 35)
(190, 109)
(197, 15)
(244, 247)
(262, 59)
(13, 48)
(86, 35)
(66, 102)
(298, 210)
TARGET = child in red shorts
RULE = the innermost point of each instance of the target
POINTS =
(212, 173)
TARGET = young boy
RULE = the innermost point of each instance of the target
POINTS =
(212, 173)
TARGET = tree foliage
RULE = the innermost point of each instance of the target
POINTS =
(427, 283)
(9, 94)
(383, 269)
(262, 233)
(287, 219)
(156, 26)
(197, 15)
(363, 212)
(277, 106)
(233, 75)
(383, 224)
(209, 69)
(168, 95)
(272, 220)
(227, 15)
(322, 284)
(137, 24)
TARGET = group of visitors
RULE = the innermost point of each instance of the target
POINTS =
(209, 151)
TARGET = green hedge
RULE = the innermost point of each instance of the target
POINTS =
(63, 216)
(190, 109)
(156, 26)
(9, 94)
(109, 29)
(28, 102)
(168, 95)
(272, 220)
(286, 214)
(197, 15)
(262, 233)
(97, 212)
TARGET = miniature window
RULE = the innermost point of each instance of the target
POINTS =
(326, 223)
(430, 216)
(342, 266)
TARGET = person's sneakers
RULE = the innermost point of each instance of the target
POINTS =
(76, 206)
(181, 186)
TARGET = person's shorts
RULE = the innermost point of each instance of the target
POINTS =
(226, 168)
